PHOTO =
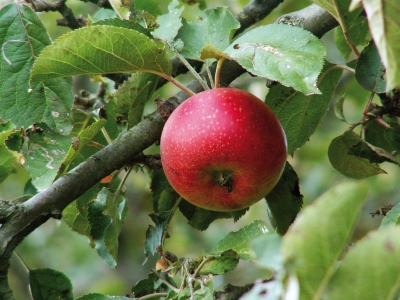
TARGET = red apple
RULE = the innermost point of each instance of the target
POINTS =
(223, 149)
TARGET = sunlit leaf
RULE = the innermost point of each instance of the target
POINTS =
(99, 50)
(217, 28)
(317, 238)
(121, 8)
(349, 165)
(283, 53)
(299, 114)
(369, 264)
(170, 23)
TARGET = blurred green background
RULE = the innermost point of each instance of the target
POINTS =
(54, 245)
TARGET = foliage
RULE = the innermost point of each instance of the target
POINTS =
(75, 149)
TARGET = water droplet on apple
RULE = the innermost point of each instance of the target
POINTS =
(288, 66)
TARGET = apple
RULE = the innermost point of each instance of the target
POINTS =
(223, 149)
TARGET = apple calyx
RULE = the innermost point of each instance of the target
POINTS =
(224, 179)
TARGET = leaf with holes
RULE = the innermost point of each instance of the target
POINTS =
(23, 37)
(217, 29)
(290, 55)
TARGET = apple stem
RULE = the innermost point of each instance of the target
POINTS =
(210, 77)
(218, 72)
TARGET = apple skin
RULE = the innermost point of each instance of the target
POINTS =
(223, 149)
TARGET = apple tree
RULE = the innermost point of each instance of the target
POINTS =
(330, 73)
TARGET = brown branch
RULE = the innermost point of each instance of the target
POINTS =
(50, 203)
(68, 20)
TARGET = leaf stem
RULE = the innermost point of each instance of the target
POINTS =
(22, 261)
(176, 83)
(171, 214)
(187, 65)
(344, 29)
(210, 77)
(166, 282)
(153, 296)
(218, 72)
(203, 262)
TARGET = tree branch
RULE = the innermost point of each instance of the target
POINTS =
(50, 203)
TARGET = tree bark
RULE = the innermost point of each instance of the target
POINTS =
(27, 216)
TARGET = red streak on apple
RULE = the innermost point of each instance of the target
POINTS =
(223, 149)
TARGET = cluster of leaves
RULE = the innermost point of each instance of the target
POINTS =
(37, 95)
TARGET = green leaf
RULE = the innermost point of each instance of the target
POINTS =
(384, 23)
(123, 24)
(217, 28)
(150, 6)
(145, 286)
(338, 109)
(155, 233)
(99, 50)
(81, 141)
(7, 157)
(374, 134)
(391, 216)
(358, 32)
(200, 218)
(132, 95)
(317, 238)
(44, 156)
(218, 264)
(106, 215)
(285, 200)
(372, 153)
(240, 240)
(392, 135)
(369, 264)
(76, 213)
(287, 54)
(370, 72)
(349, 165)
(170, 23)
(97, 296)
(23, 37)
(50, 284)
(339, 9)
(267, 249)
(299, 114)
